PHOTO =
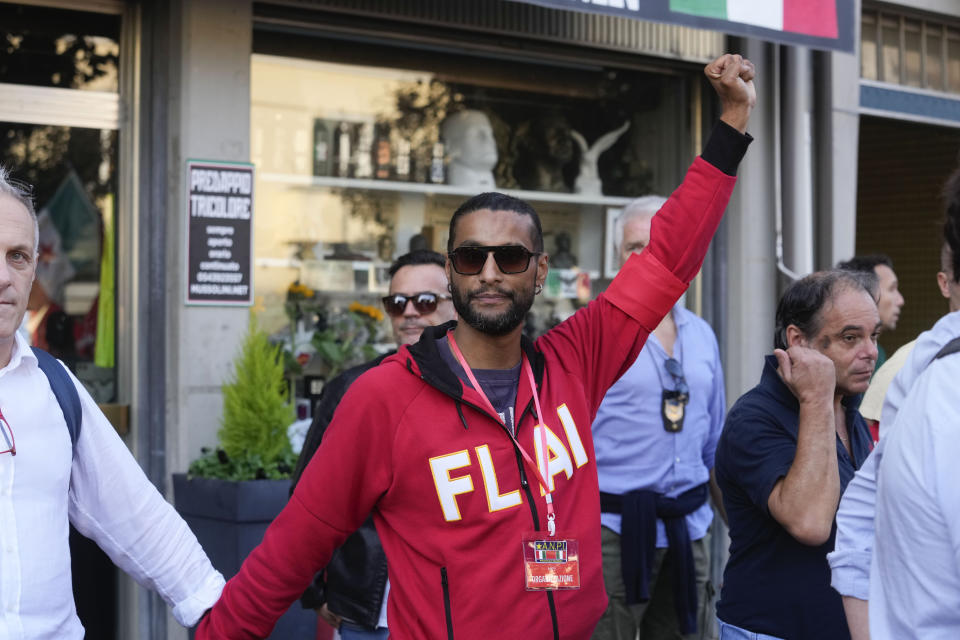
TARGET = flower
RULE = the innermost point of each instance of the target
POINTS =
(299, 291)
(373, 312)
(300, 307)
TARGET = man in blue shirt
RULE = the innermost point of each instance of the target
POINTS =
(655, 435)
(789, 447)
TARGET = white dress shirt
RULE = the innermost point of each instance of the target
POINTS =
(915, 572)
(851, 557)
(106, 496)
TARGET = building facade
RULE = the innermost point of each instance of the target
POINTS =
(344, 109)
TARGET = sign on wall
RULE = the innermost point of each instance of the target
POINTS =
(819, 24)
(219, 233)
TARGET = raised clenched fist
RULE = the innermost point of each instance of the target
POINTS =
(732, 78)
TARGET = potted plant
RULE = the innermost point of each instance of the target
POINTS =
(231, 494)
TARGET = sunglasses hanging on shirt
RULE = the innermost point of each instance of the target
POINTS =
(673, 402)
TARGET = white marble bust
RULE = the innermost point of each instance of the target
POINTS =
(471, 149)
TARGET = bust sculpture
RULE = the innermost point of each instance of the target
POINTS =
(471, 149)
(562, 258)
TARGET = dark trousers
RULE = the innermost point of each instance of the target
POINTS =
(655, 619)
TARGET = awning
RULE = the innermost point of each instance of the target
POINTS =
(819, 24)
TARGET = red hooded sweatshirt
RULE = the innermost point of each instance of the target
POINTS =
(450, 495)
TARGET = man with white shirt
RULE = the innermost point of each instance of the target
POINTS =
(854, 560)
(914, 577)
(48, 480)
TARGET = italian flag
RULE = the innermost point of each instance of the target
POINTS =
(809, 17)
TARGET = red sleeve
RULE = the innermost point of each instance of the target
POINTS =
(601, 341)
(340, 486)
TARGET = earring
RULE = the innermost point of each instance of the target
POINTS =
(449, 288)
(537, 289)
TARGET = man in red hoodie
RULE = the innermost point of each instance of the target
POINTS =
(472, 447)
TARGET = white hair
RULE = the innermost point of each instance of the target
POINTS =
(22, 193)
(646, 206)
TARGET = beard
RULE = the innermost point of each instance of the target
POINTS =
(498, 324)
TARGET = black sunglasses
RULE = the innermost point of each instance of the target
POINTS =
(674, 369)
(424, 302)
(510, 259)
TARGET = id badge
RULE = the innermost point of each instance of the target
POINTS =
(673, 410)
(550, 563)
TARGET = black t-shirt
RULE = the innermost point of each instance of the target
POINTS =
(772, 583)
(500, 385)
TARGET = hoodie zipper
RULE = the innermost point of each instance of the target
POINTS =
(446, 602)
(525, 485)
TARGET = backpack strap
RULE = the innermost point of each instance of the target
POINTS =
(951, 347)
(64, 391)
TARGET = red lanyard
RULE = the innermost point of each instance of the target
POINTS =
(551, 516)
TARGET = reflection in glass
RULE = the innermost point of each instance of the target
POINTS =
(58, 48)
(70, 312)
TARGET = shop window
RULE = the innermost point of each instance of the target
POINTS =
(357, 164)
(70, 312)
(57, 48)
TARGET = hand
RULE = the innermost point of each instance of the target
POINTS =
(810, 375)
(732, 78)
(329, 617)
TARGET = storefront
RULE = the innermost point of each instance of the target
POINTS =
(365, 127)
(365, 124)
(366, 139)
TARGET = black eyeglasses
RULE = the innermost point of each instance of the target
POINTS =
(424, 302)
(676, 371)
(510, 259)
(8, 440)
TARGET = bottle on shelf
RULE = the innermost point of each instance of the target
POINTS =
(322, 148)
(344, 150)
(438, 167)
(382, 169)
(402, 168)
(363, 167)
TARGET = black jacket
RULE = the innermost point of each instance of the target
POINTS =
(352, 584)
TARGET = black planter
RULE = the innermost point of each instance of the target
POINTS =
(229, 519)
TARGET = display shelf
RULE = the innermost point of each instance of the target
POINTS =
(310, 182)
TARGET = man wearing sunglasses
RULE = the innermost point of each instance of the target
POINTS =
(48, 482)
(351, 594)
(655, 435)
(472, 447)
